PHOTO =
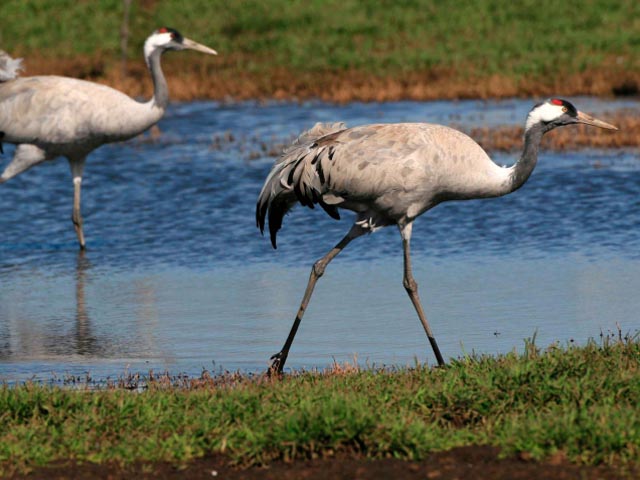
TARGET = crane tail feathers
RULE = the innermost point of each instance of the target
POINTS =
(9, 67)
(277, 211)
(331, 210)
(297, 176)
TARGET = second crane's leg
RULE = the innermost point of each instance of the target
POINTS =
(279, 359)
(77, 168)
(25, 157)
(411, 287)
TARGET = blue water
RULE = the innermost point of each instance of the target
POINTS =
(177, 277)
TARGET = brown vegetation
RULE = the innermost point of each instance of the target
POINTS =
(509, 138)
(224, 78)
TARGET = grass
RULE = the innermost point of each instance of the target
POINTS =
(299, 45)
(578, 402)
(491, 36)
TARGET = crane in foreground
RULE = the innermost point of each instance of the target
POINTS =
(389, 174)
(50, 116)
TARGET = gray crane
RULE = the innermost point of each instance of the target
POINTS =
(50, 116)
(389, 174)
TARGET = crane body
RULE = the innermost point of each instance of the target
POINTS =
(389, 174)
(51, 116)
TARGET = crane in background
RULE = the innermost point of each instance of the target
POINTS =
(51, 116)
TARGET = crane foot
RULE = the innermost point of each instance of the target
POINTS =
(277, 364)
(436, 351)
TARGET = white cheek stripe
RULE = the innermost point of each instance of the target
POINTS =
(544, 113)
(155, 41)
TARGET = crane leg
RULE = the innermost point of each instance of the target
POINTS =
(77, 168)
(411, 287)
(278, 360)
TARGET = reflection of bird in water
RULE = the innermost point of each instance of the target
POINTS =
(85, 342)
(82, 318)
(133, 343)
(389, 174)
(50, 116)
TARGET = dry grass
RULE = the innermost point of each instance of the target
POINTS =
(223, 78)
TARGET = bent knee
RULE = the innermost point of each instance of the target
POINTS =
(410, 285)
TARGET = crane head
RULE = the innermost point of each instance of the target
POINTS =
(166, 38)
(9, 67)
(556, 112)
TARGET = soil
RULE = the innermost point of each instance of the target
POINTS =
(476, 462)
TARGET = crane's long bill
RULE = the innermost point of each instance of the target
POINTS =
(589, 120)
(191, 45)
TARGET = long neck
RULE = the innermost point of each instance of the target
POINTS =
(520, 172)
(160, 89)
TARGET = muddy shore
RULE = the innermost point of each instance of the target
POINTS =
(477, 462)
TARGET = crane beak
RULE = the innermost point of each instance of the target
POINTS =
(191, 45)
(589, 120)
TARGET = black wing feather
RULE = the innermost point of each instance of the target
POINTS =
(302, 184)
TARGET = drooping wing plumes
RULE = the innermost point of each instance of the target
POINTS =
(297, 176)
(9, 67)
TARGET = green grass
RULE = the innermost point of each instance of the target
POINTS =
(537, 38)
(581, 401)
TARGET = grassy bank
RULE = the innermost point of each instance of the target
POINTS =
(579, 403)
(344, 49)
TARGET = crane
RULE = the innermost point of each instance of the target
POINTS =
(389, 174)
(51, 116)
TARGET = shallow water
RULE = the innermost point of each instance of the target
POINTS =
(178, 278)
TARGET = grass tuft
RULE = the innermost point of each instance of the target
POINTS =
(341, 50)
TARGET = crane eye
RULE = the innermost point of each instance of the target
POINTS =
(564, 109)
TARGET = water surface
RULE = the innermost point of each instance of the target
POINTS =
(177, 277)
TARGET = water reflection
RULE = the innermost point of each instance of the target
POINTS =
(66, 333)
(86, 343)
(62, 312)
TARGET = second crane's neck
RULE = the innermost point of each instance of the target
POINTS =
(160, 89)
(521, 170)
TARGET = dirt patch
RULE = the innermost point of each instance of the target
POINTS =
(478, 463)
